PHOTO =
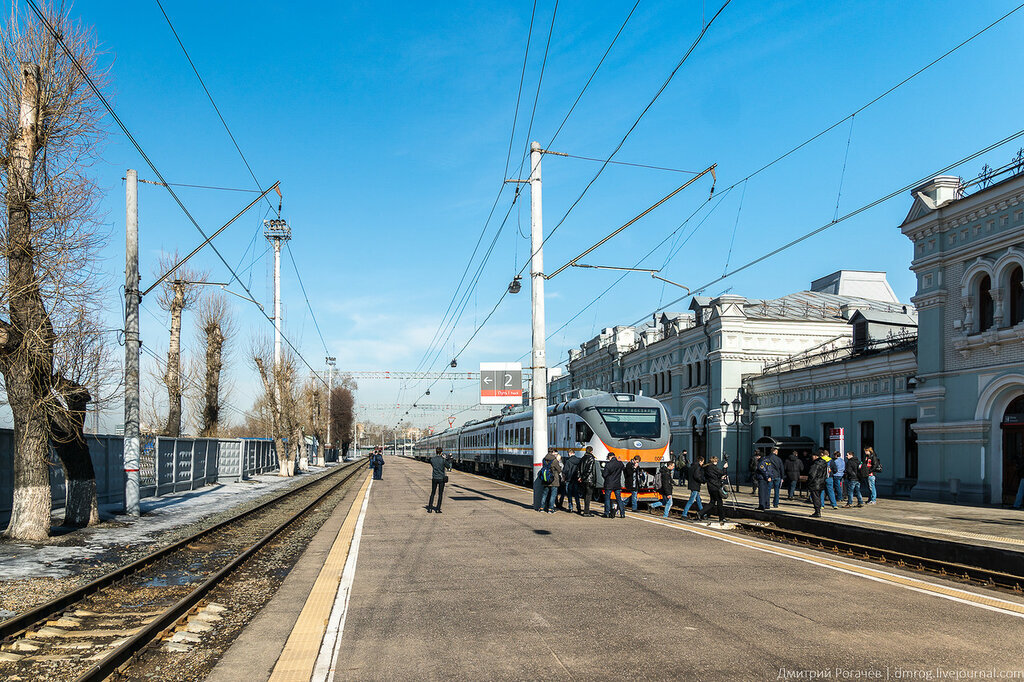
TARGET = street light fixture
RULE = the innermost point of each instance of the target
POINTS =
(738, 417)
(515, 286)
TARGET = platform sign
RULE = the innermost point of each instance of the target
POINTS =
(501, 383)
(836, 440)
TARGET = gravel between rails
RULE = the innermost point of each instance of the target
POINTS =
(243, 595)
(120, 608)
(20, 595)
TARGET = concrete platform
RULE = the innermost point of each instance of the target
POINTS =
(494, 590)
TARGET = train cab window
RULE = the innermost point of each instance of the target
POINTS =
(583, 432)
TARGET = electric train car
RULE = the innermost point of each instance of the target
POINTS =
(620, 423)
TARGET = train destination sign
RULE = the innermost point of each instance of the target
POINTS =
(501, 383)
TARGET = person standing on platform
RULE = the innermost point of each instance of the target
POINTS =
(714, 478)
(586, 479)
(666, 488)
(838, 473)
(613, 486)
(553, 465)
(755, 461)
(765, 475)
(632, 474)
(693, 481)
(776, 483)
(852, 481)
(377, 463)
(869, 467)
(794, 467)
(829, 479)
(569, 471)
(816, 476)
(439, 466)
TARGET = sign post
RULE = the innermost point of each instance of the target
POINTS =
(836, 441)
(501, 383)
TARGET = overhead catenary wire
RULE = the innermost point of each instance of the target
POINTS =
(865, 207)
(302, 286)
(156, 171)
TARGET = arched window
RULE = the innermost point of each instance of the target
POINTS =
(986, 308)
(1016, 285)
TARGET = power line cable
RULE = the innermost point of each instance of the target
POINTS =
(156, 171)
(210, 97)
(851, 214)
(302, 286)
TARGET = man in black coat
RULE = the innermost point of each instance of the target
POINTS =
(693, 481)
(613, 486)
(794, 467)
(714, 476)
(439, 465)
(569, 470)
(816, 476)
(586, 481)
(776, 482)
(631, 473)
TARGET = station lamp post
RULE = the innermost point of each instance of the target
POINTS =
(738, 417)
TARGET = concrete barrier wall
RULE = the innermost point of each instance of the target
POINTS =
(167, 465)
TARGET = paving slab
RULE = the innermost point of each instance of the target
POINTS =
(494, 590)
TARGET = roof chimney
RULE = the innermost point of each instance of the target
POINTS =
(938, 191)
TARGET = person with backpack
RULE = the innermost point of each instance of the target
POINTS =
(871, 465)
(550, 474)
(613, 486)
(852, 481)
(664, 484)
(816, 476)
(693, 481)
(714, 478)
(586, 480)
(569, 468)
(632, 476)
(438, 465)
(777, 481)
(794, 467)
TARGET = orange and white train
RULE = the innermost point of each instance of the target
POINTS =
(620, 423)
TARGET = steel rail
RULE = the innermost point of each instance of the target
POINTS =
(948, 569)
(17, 625)
(139, 641)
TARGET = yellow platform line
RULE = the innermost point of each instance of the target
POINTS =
(296, 661)
(1004, 606)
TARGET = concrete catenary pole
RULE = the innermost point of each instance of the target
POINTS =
(330, 389)
(539, 365)
(132, 444)
(277, 304)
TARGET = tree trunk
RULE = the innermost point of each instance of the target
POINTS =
(26, 359)
(173, 376)
(211, 407)
(68, 432)
(284, 463)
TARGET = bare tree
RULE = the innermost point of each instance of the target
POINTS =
(280, 393)
(216, 327)
(49, 235)
(343, 413)
(176, 296)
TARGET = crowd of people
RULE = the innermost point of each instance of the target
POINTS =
(840, 477)
(570, 483)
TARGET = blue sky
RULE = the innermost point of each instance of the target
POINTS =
(388, 126)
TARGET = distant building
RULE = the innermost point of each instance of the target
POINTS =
(695, 360)
(968, 258)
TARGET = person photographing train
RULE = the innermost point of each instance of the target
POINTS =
(439, 466)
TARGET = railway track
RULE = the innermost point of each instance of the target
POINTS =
(961, 572)
(90, 632)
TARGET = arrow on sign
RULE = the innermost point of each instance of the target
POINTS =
(487, 380)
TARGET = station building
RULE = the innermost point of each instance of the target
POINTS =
(935, 385)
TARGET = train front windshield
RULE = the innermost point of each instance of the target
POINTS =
(632, 422)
